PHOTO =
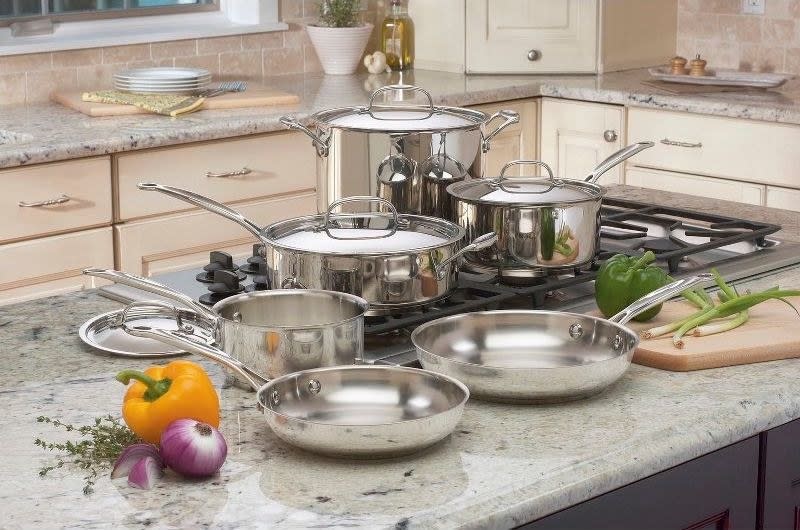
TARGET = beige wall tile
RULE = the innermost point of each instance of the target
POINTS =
(25, 63)
(219, 44)
(39, 85)
(283, 61)
(77, 58)
(12, 88)
(258, 41)
(125, 54)
(241, 64)
(178, 48)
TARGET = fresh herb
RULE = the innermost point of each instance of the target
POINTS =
(339, 13)
(102, 444)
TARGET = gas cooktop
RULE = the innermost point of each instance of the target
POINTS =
(685, 242)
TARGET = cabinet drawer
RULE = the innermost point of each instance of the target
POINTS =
(277, 163)
(714, 188)
(785, 198)
(52, 265)
(84, 187)
(180, 241)
(721, 147)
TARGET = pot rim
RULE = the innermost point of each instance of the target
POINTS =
(455, 190)
(362, 304)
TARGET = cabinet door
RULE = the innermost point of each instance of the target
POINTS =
(577, 136)
(182, 241)
(717, 491)
(714, 188)
(558, 36)
(781, 488)
(785, 198)
(515, 142)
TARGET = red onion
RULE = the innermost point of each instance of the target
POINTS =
(145, 472)
(131, 455)
(193, 448)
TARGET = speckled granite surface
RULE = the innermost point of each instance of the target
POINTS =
(503, 466)
(57, 133)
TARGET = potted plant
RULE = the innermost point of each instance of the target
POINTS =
(339, 37)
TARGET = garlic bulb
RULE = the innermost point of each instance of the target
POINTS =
(376, 63)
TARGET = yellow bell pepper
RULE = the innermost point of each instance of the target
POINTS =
(163, 394)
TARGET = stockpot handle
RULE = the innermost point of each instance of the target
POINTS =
(146, 284)
(658, 296)
(189, 343)
(360, 198)
(616, 158)
(479, 243)
(503, 179)
(510, 117)
(207, 204)
(316, 140)
(410, 88)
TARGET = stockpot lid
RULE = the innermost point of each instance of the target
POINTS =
(368, 233)
(383, 117)
(525, 191)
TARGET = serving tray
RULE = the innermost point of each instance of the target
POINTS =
(723, 77)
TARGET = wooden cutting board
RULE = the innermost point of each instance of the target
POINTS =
(252, 97)
(773, 332)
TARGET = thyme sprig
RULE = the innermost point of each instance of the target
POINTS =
(101, 444)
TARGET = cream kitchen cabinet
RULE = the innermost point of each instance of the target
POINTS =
(545, 36)
(715, 188)
(179, 241)
(517, 141)
(575, 136)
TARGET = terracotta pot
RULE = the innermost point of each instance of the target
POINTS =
(339, 49)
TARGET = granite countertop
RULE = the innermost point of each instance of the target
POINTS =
(503, 466)
(49, 132)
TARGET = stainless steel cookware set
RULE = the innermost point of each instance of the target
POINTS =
(300, 345)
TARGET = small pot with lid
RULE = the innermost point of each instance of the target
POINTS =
(543, 224)
(406, 153)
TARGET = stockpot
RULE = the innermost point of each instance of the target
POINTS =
(543, 224)
(394, 261)
(273, 333)
(407, 153)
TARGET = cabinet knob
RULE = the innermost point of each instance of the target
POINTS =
(610, 135)
(534, 55)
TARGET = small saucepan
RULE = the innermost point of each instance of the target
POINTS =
(273, 333)
(536, 356)
(345, 411)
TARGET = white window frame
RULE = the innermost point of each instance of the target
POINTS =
(234, 17)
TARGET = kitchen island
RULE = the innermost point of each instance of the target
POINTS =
(503, 466)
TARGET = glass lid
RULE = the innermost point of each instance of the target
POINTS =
(521, 191)
(386, 117)
(363, 233)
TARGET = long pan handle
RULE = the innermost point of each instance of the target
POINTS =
(145, 284)
(618, 157)
(658, 296)
(181, 341)
(204, 202)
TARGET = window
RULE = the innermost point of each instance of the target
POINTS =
(14, 10)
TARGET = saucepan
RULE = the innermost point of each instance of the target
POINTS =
(536, 356)
(543, 225)
(394, 261)
(275, 332)
(345, 411)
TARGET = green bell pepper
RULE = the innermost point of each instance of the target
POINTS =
(622, 280)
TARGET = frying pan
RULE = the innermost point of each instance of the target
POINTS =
(520, 356)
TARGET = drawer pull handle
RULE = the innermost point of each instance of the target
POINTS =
(226, 174)
(48, 202)
(667, 141)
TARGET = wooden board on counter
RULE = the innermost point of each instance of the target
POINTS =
(252, 97)
(773, 332)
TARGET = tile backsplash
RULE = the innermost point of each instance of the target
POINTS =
(30, 78)
(728, 39)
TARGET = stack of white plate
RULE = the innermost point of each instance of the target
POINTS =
(162, 80)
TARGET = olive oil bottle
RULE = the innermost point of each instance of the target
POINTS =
(397, 37)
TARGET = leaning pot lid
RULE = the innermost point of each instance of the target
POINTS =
(363, 234)
(525, 191)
